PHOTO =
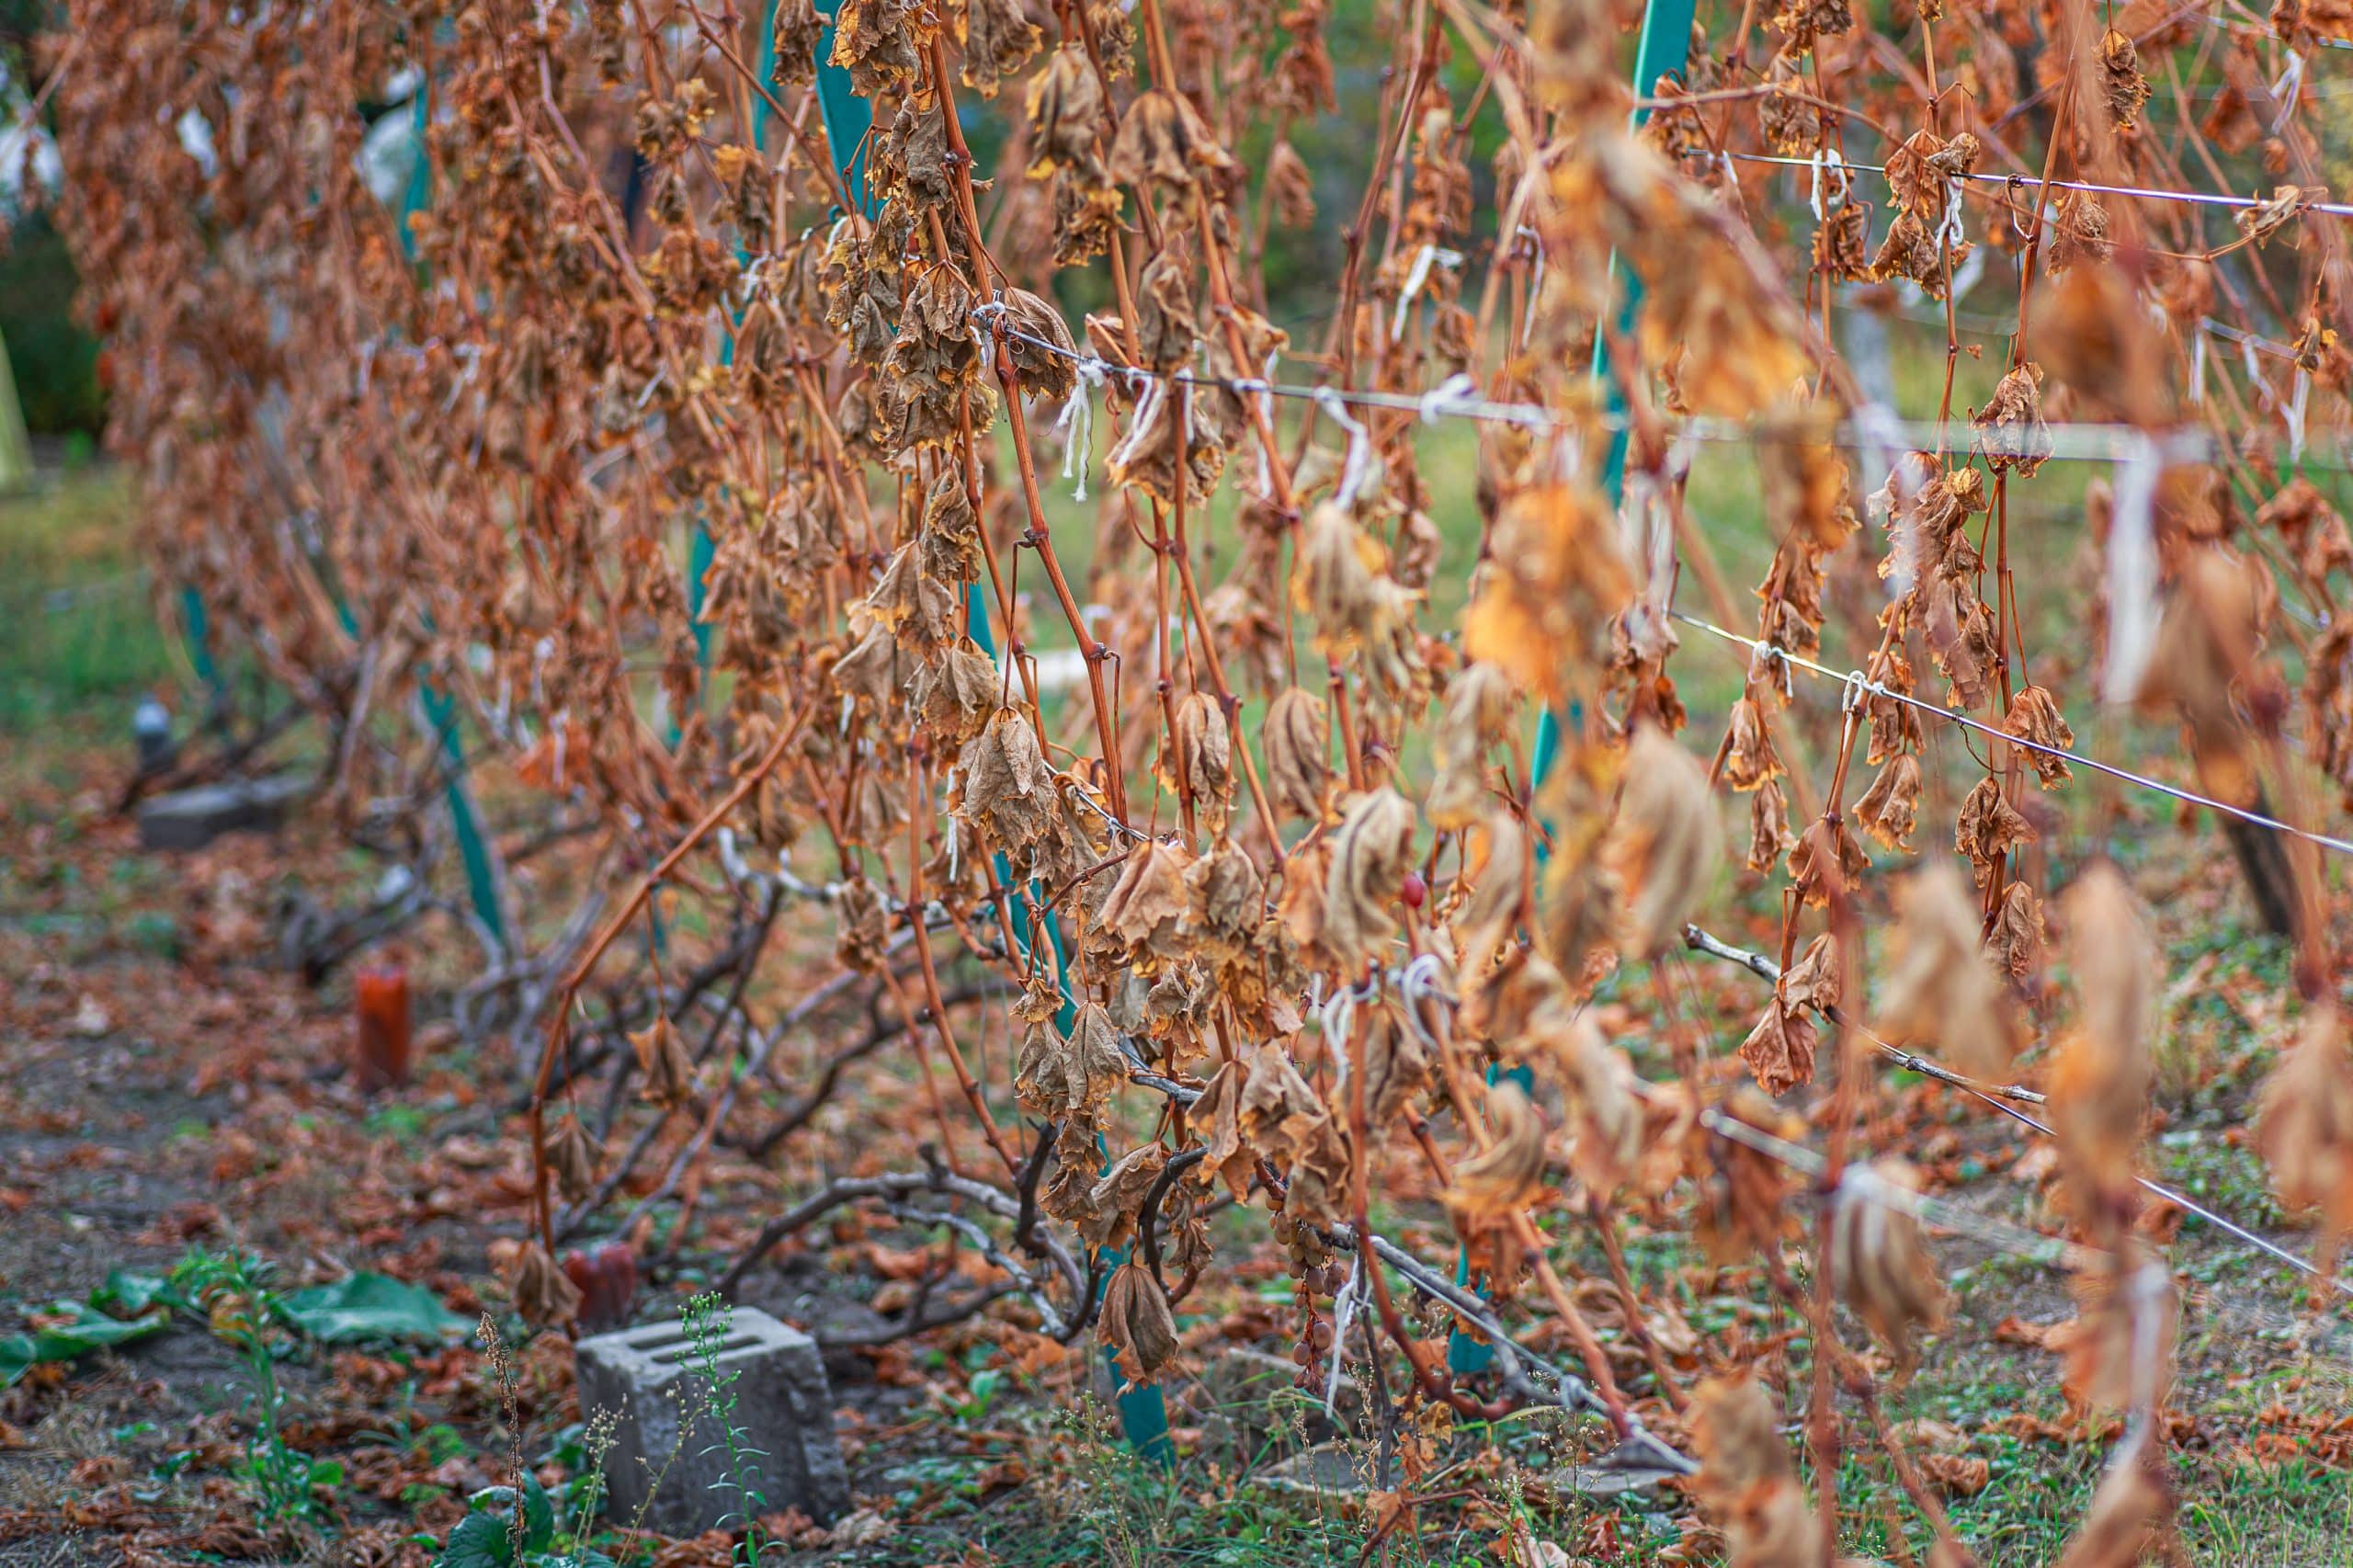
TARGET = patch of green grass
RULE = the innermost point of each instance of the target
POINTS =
(2038, 1495)
(2231, 1180)
(1105, 1506)
(400, 1123)
(154, 932)
(78, 639)
(2255, 1517)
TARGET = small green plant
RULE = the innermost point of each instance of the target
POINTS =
(708, 1320)
(233, 1290)
(400, 1123)
(519, 1527)
(505, 1527)
(983, 1390)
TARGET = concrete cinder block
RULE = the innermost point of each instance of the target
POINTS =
(191, 819)
(784, 1410)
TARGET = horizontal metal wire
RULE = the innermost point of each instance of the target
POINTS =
(2087, 442)
(1858, 1181)
(2258, 29)
(1856, 680)
(2135, 192)
(1997, 1097)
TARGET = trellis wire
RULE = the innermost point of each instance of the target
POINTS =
(1758, 964)
(1959, 1218)
(1858, 1181)
(2256, 29)
(2115, 441)
(1456, 399)
(1766, 969)
(1139, 1073)
(1855, 680)
(2134, 192)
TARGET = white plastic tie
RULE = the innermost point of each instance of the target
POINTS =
(1416, 279)
(1343, 1311)
(1075, 424)
(2151, 1284)
(1441, 399)
(1950, 233)
(2284, 91)
(1826, 163)
(2295, 414)
(469, 361)
(1972, 270)
(1568, 458)
(1266, 414)
(2254, 373)
(1352, 472)
(982, 315)
(1885, 449)
(1131, 443)
(1417, 982)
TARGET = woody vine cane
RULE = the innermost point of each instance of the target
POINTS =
(848, 119)
(1663, 50)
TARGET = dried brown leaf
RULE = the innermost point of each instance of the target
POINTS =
(1508, 1172)
(1880, 1260)
(542, 1293)
(1941, 990)
(1779, 1049)
(2034, 717)
(1889, 807)
(1989, 828)
(2307, 1127)
(665, 1071)
(1137, 1325)
(1370, 852)
(1668, 841)
(1769, 833)
(2104, 1068)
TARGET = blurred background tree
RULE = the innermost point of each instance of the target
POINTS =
(54, 359)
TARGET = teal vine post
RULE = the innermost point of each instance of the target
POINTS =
(195, 631)
(439, 708)
(1663, 50)
(440, 712)
(849, 119)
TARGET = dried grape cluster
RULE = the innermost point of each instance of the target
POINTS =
(705, 471)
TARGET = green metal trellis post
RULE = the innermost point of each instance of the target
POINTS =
(1143, 1413)
(439, 708)
(847, 119)
(195, 631)
(1663, 50)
